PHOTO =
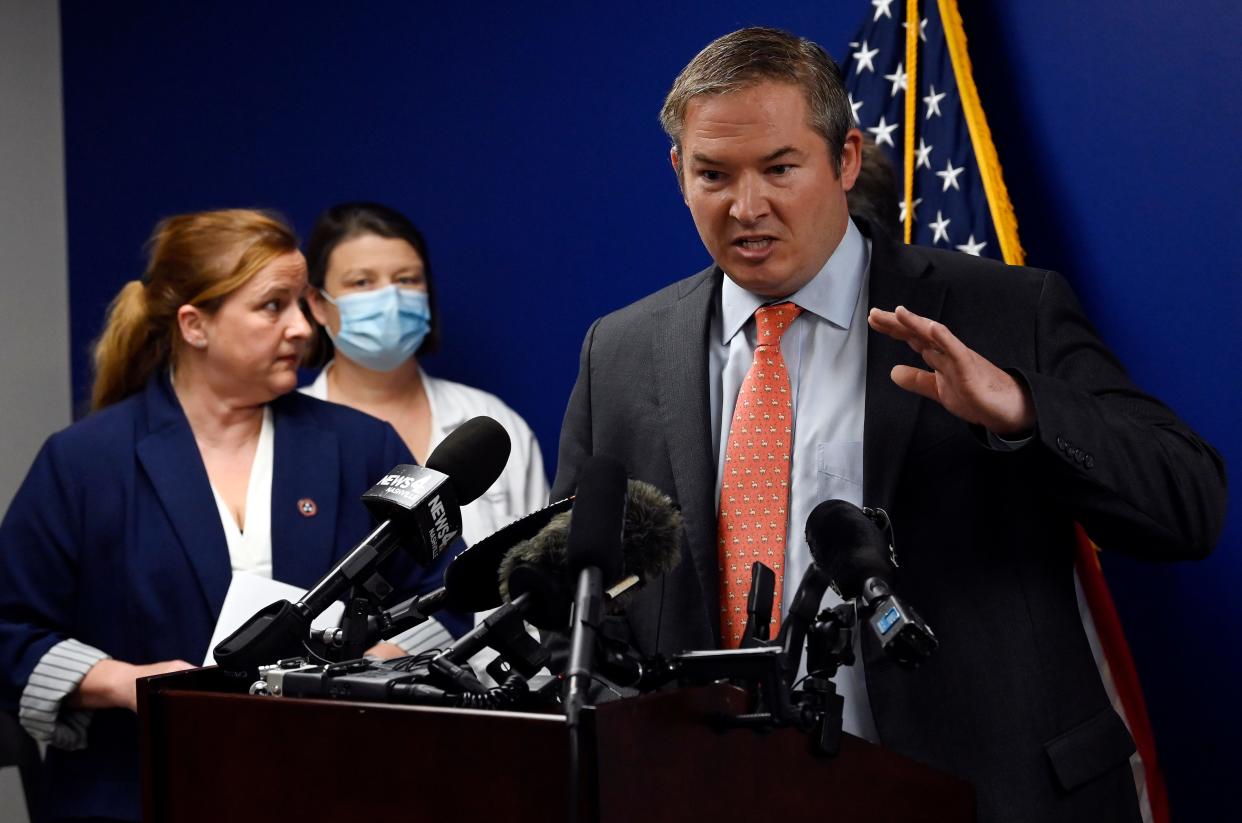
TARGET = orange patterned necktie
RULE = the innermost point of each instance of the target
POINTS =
(754, 492)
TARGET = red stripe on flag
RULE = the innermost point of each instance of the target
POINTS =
(1121, 664)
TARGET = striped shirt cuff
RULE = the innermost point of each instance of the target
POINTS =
(56, 676)
(430, 634)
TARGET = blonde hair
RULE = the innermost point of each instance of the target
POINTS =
(193, 259)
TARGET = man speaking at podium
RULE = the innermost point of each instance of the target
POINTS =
(818, 359)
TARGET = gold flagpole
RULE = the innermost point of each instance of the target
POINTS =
(912, 96)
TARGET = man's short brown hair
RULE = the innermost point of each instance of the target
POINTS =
(757, 54)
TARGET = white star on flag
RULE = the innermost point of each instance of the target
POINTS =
(971, 247)
(949, 175)
(933, 103)
(881, 8)
(883, 132)
(864, 58)
(917, 200)
(940, 227)
(922, 155)
(899, 80)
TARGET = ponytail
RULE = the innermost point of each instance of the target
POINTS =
(129, 349)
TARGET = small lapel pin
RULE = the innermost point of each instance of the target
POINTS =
(307, 507)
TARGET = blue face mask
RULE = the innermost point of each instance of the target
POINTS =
(381, 328)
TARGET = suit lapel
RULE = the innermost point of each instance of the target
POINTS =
(680, 354)
(895, 279)
(306, 478)
(171, 460)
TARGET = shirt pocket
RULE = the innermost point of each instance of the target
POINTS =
(839, 470)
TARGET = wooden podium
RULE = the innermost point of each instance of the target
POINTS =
(212, 752)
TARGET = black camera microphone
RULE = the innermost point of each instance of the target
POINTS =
(852, 546)
(417, 507)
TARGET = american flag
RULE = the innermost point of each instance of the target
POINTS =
(959, 201)
(950, 199)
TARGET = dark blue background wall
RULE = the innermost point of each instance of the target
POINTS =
(524, 140)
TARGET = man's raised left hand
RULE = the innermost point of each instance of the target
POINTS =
(966, 384)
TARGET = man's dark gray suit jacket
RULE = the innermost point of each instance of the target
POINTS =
(1012, 700)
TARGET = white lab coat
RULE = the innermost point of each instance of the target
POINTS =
(521, 488)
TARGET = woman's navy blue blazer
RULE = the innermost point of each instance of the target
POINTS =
(114, 539)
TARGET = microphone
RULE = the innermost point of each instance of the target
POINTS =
(759, 606)
(471, 578)
(650, 547)
(534, 576)
(592, 552)
(418, 507)
(593, 555)
(859, 560)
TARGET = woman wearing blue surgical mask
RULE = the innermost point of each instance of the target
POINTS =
(373, 298)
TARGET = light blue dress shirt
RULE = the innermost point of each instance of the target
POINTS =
(825, 352)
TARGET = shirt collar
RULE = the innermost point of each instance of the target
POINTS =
(831, 294)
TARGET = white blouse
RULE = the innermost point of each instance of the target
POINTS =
(251, 550)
